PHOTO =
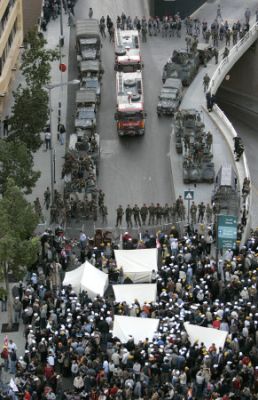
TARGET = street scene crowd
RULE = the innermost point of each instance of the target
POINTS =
(71, 353)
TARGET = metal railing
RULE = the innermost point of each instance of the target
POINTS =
(234, 54)
(228, 130)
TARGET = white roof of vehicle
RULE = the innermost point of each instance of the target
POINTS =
(125, 92)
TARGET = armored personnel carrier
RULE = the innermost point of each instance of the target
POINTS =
(183, 65)
(195, 145)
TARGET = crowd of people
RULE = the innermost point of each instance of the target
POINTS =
(71, 353)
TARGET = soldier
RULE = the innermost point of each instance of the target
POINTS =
(47, 196)
(128, 216)
(173, 212)
(53, 214)
(104, 212)
(151, 214)
(166, 213)
(136, 215)
(201, 211)
(216, 55)
(207, 36)
(144, 213)
(101, 198)
(206, 81)
(209, 140)
(205, 58)
(179, 202)
(38, 208)
(144, 33)
(119, 215)
(193, 212)
(158, 211)
(208, 213)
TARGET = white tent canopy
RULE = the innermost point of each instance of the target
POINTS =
(88, 278)
(137, 264)
(207, 336)
(138, 328)
(142, 292)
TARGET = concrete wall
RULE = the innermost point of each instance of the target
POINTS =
(244, 75)
(170, 7)
(31, 14)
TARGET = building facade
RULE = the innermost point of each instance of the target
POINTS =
(11, 38)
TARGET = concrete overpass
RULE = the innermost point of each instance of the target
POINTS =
(217, 122)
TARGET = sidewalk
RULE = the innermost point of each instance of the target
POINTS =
(42, 157)
(58, 95)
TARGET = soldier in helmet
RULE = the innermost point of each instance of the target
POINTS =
(136, 215)
(208, 213)
(128, 216)
(201, 211)
(144, 213)
(151, 214)
(158, 212)
(206, 81)
(166, 213)
(193, 212)
(119, 215)
(104, 213)
(173, 212)
(101, 198)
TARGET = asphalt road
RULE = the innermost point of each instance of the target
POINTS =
(132, 169)
(136, 170)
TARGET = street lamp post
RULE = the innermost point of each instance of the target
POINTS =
(52, 151)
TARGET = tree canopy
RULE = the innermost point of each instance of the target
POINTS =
(17, 163)
(36, 60)
(29, 116)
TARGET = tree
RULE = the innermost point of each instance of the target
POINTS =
(18, 247)
(30, 109)
(16, 162)
(36, 60)
(29, 116)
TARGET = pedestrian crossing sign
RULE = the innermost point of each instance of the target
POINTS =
(188, 194)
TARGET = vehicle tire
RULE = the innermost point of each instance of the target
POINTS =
(136, 97)
(130, 82)
(120, 51)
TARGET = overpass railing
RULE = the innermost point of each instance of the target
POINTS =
(223, 122)
(235, 53)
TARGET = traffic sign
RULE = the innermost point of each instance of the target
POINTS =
(188, 194)
(227, 231)
(62, 67)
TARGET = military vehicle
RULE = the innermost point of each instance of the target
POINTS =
(170, 97)
(183, 65)
(205, 52)
(86, 101)
(91, 74)
(195, 144)
(226, 191)
(88, 43)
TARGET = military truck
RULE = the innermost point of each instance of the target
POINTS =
(183, 65)
(88, 43)
(170, 97)
(86, 101)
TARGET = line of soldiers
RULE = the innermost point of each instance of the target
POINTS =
(63, 209)
(153, 26)
(200, 212)
(221, 31)
(158, 214)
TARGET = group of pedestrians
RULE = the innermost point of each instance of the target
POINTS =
(71, 352)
